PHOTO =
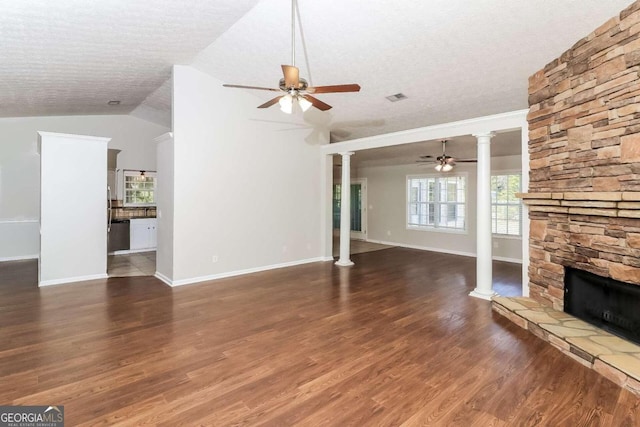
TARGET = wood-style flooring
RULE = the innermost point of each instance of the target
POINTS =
(394, 340)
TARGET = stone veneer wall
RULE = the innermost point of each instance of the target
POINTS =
(584, 146)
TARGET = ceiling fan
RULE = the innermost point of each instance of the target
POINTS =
(294, 87)
(445, 163)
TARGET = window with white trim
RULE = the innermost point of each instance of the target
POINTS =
(139, 188)
(436, 202)
(506, 208)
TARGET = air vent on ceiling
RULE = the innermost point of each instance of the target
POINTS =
(397, 97)
(113, 102)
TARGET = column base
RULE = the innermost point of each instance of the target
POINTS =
(347, 263)
(476, 293)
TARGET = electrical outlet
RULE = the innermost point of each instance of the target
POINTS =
(214, 258)
(496, 245)
(388, 232)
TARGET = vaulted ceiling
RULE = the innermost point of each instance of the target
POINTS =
(453, 59)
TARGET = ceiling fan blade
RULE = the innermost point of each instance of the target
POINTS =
(334, 88)
(253, 87)
(424, 161)
(466, 161)
(317, 103)
(291, 76)
(426, 157)
(270, 103)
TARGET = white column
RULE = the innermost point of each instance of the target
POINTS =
(345, 210)
(484, 268)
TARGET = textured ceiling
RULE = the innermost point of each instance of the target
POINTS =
(454, 59)
(72, 56)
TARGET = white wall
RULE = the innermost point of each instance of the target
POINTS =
(73, 236)
(20, 174)
(387, 210)
(164, 197)
(247, 188)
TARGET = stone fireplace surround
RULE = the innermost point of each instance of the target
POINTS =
(584, 148)
(597, 232)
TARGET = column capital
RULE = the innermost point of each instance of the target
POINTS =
(484, 135)
(347, 153)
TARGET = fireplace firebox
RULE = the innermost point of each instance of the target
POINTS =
(604, 302)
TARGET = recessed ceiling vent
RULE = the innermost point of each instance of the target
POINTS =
(113, 102)
(397, 97)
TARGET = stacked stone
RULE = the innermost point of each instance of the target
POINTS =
(584, 146)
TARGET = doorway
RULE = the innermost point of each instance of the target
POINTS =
(358, 208)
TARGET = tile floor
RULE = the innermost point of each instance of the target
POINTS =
(612, 356)
(138, 264)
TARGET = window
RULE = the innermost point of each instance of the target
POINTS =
(506, 208)
(139, 188)
(436, 202)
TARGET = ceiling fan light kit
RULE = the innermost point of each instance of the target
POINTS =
(443, 167)
(445, 163)
(296, 89)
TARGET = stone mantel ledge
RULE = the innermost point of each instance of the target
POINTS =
(599, 196)
(623, 204)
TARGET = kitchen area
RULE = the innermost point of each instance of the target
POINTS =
(132, 223)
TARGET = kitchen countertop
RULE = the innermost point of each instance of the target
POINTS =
(115, 220)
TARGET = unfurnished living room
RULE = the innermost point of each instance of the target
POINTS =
(297, 212)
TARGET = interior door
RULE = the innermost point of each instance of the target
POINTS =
(358, 208)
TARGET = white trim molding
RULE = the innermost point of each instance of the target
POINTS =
(72, 280)
(442, 251)
(494, 123)
(163, 278)
(193, 280)
(18, 258)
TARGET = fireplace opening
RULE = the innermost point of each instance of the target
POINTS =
(604, 302)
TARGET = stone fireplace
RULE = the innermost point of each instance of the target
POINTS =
(584, 190)
(584, 147)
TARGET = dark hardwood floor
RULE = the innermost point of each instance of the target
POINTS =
(394, 340)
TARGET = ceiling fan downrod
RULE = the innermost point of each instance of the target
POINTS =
(293, 33)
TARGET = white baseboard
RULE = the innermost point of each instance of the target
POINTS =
(506, 259)
(18, 258)
(423, 248)
(327, 258)
(444, 251)
(190, 281)
(163, 278)
(72, 280)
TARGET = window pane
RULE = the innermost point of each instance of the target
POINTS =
(506, 207)
(436, 202)
(139, 189)
(432, 190)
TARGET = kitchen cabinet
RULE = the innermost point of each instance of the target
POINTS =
(143, 233)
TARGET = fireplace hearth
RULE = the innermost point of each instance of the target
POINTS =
(609, 304)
